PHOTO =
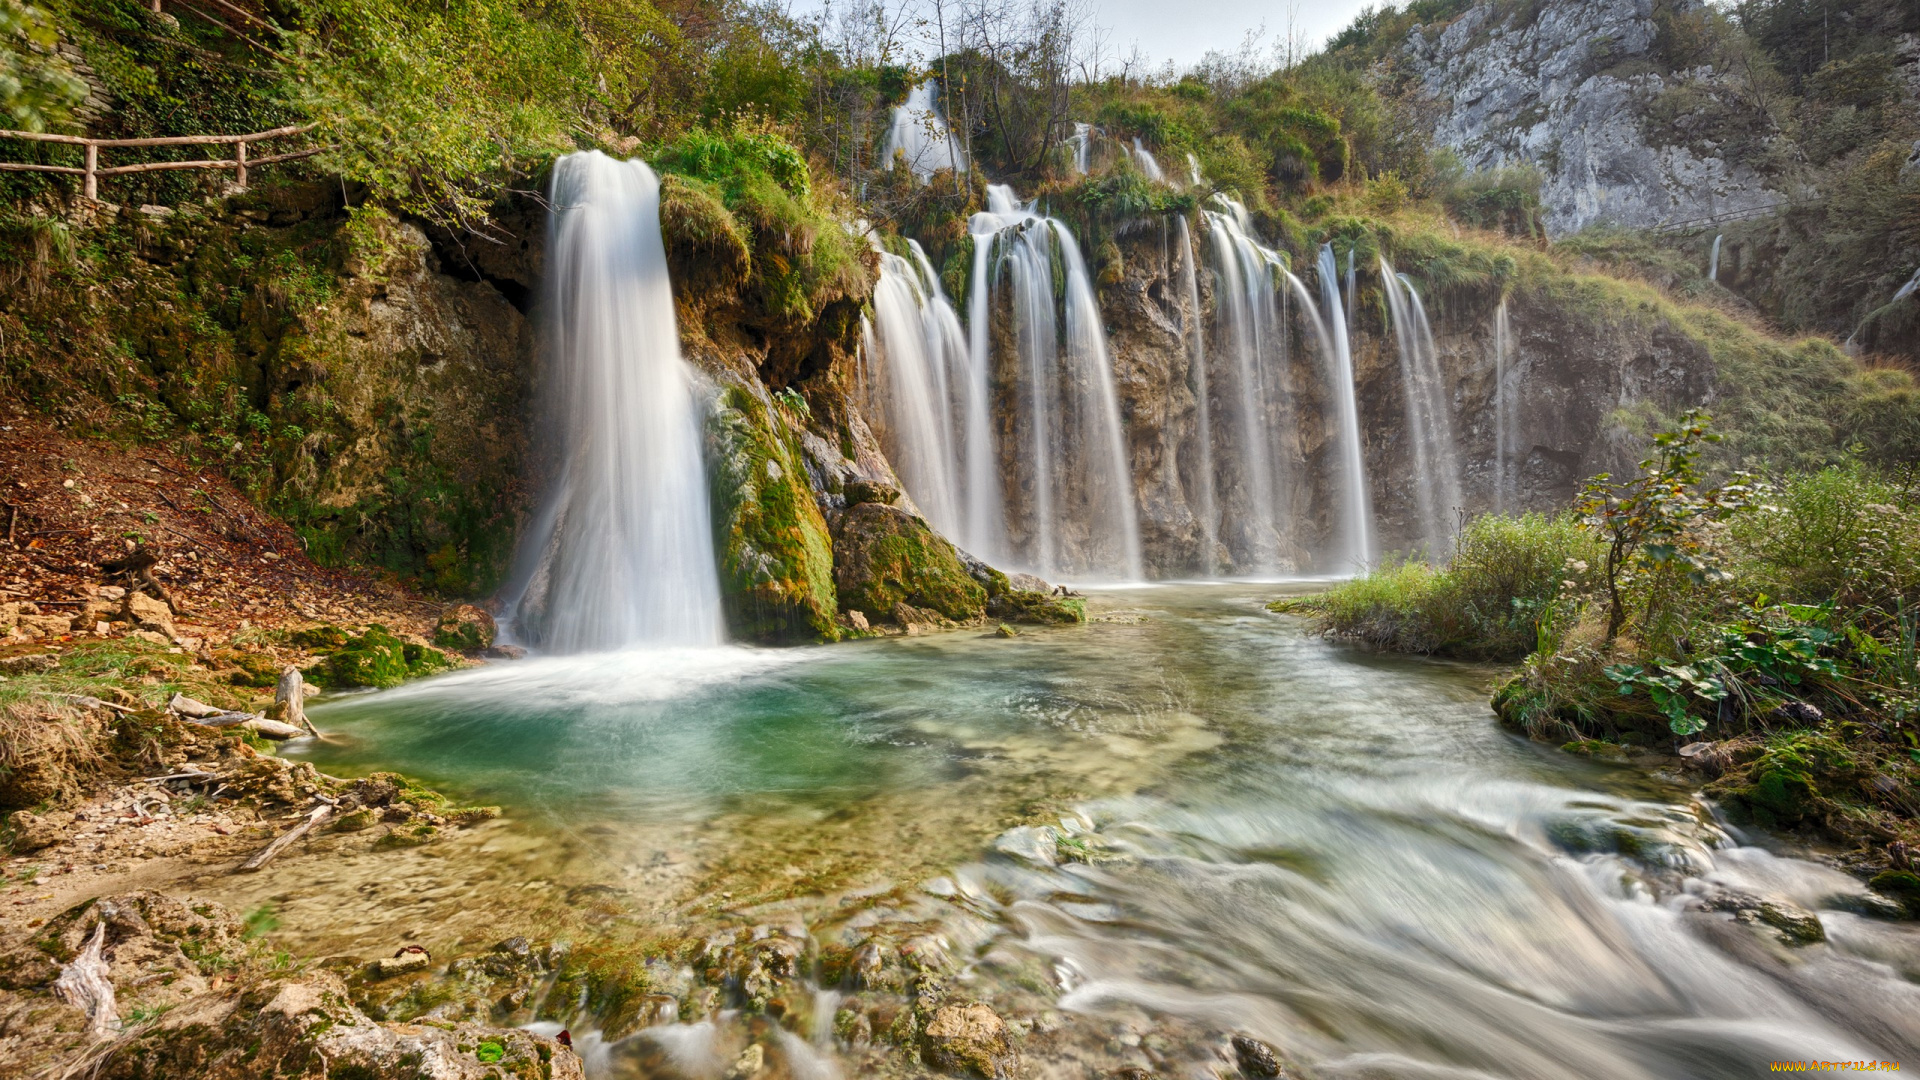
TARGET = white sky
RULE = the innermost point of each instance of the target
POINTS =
(1182, 31)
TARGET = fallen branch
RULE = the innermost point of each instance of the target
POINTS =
(83, 984)
(88, 702)
(320, 815)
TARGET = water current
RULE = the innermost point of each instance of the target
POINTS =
(1338, 852)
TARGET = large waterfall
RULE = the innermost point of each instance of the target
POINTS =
(1354, 541)
(1071, 511)
(1195, 332)
(622, 551)
(1436, 464)
(920, 132)
(1255, 474)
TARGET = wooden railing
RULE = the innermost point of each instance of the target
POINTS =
(93, 170)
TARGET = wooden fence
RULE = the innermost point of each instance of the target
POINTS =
(93, 170)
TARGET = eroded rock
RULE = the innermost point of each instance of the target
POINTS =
(969, 1040)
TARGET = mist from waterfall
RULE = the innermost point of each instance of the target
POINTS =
(1353, 541)
(1436, 463)
(1504, 468)
(1071, 512)
(923, 401)
(1254, 470)
(919, 131)
(621, 553)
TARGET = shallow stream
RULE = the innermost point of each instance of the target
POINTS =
(1338, 852)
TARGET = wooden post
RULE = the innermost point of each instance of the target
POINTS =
(240, 164)
(91, 186)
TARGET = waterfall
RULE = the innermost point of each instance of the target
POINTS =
(1253, 338)
(622, 551)
(920, 132)
(1208, 512)
(1068, 458)
(1354, 538)
(921, 392)
(1713, 264)
(1149, 166)
(1082, 144)
(1504, 477)
(1429, 420)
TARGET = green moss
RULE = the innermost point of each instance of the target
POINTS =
(377, 658)
(885, 556)
(1902, 885)
(1038, 609)
(776, 558)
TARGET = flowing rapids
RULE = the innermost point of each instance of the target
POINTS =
(1337, 852)
(622, 550)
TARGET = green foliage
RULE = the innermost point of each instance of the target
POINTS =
(1652, 521)
(38, 88)
(260, 922)
(1512, 582)
(1507, 199)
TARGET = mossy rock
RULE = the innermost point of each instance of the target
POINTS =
(1037, 609)
(706, 245)
(1785, 781)
(1901, 885)
(406, 836)
(885, 556)
(377, 658)
(256, 670)
(464, 628)
(323, 638)
(775, 554)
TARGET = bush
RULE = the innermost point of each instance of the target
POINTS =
(1507, 590)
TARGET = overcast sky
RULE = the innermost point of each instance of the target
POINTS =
(1182, 31)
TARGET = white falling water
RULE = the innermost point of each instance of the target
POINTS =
(1208, 511)
(1148, 165)
(1082, 144)
(1353, 543)
(927, 405)
(1713, 263)
(1252, 337)
(1068, 455)
(1504, 469)
(920, 132)
(622, 552)
(1436, 463)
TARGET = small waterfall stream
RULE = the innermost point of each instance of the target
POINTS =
(920, 132)
(1503, 412)
(1436, 463)
(1354, 536)
(622, 551)
(1713, 261)
(918, 385)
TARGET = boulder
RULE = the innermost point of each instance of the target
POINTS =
(862, 490)
(884, 556)
(146, 613)
(464, 628)
(377, 658)
(32, 832)
(970, 1040)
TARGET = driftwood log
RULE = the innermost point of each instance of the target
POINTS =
(317, 817)
(205, 715)
(84, 985)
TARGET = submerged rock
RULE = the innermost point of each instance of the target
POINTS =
(884, 556)
(1256, 1058)
(970, 1040)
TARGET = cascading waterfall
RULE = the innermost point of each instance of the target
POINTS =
(1713, 263)
(1147, 163)
(1354, 540)
(1253, 337)
(1068, 455)
(920, 132)
(1082, 144)
(1208, 512)
(1503, 412)
(1429, 423)
(922, 393)
(622, 551)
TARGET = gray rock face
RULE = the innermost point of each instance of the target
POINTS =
(1567, 92)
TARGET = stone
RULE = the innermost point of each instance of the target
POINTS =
(1033, 843)
(1708, 757)
(409, 958)
(858, 620)
(1005, 631)
(1028, 583)
(147, 613)
(970, 1040)
(464, 628)
(750, 1062)
(1799, 712)
(862, 490)
(1256, 1058)
(43, 626)
(30, 664)
(377, 658)
(506, 652)
(884, 556)
(32, 832)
